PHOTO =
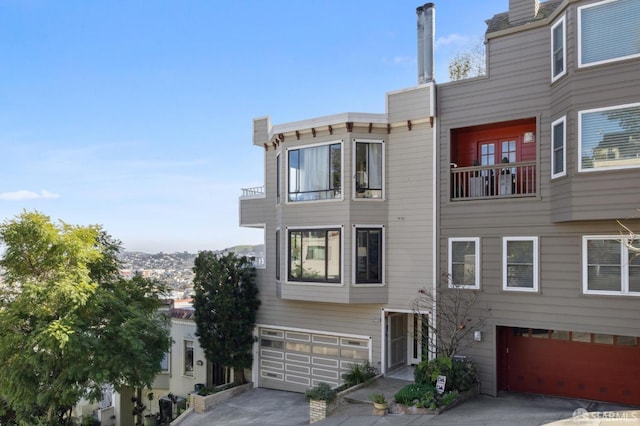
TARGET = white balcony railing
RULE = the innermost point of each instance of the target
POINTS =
(505, 180)
(256, 192)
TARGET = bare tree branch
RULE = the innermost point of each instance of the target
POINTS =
(454, 322)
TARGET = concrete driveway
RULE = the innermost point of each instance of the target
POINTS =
(508, 409)
(267, 407)
(256, 407)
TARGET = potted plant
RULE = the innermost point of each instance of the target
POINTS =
(379, 401)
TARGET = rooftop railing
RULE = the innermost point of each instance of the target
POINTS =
(256, 192)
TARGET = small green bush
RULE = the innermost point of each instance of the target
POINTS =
(322, 392)
(449, 397)
(461, 375)
(412, 393)
(359, 373)
(206, 391)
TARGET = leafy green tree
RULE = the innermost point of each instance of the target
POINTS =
(68, 322)
(226, 303)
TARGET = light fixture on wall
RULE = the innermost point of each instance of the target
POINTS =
(477, 336)
(529, 137)
(199, 363)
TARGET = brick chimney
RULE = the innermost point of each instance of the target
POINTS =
(523, 10)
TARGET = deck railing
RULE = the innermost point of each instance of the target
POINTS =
(255, 192)
(506, 180)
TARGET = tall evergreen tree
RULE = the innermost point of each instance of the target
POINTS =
(226, 303)
(68, 322)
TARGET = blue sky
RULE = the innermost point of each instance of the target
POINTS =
(137, 115)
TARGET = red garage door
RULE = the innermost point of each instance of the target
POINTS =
(594, 366)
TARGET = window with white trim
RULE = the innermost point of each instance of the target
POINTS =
(558, 147)
(315, 255)
(277, 254)
(610, 265)
(369, 254)
(464, 262)
(609, 138)
(369, 169)
(558, 50)
(608, 31)
(278, 183)
(188, 358)
(165, 363)
(315, 172)
(520, 263)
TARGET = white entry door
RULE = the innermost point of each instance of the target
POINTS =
(418, 338)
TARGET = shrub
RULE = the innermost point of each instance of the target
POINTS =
(461, 375)
(449, 397)
(413, 393)
(359, 373)
(206, 391)
(322, 392)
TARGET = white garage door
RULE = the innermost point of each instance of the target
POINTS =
(296, 361)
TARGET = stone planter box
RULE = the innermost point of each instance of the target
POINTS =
(395, 408)
(319, 410)
(202, 404)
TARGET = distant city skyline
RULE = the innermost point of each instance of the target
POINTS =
(138, 115)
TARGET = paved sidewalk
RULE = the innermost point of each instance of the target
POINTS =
(508, 409)
(267, 407)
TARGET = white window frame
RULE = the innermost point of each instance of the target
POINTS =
(285, 279)
(624, 271)
(355, 255)
(186, 372)
(599, 169)
(167, 357)
(342, 169)
(562, 120)
(562, 23)
(579, 36)
(279, 179)
(353, 167)
(476, 242)
(505, 281)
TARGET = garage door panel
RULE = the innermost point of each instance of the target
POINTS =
(577, 367)
(295, 360)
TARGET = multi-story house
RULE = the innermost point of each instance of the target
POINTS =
(348, 215)
(534, 165)
(538, 160)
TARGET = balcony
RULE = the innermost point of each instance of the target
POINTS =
(510, 180)
(255, 192)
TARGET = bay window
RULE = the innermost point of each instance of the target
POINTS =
(315, 255)
(368, 166)
(558, 50)
(558, 148)
(315, 173)
(608, 31)
(368, 255)
(609, 138)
